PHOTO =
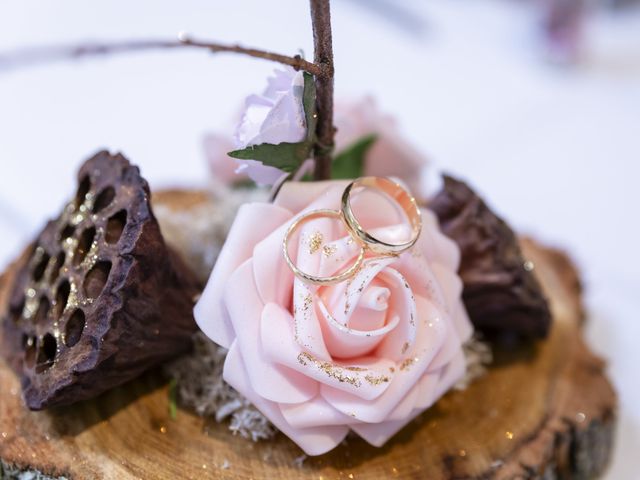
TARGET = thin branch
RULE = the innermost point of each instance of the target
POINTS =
(323, 57)
(49, 54)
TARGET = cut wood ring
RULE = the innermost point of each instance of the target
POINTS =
(397, 193)
(313, 279)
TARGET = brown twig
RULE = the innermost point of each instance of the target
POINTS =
(323, 57)
(42, 55)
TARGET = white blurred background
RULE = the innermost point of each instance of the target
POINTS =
(555, 149)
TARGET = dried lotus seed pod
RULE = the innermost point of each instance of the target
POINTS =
(501, 293)
(99, 298)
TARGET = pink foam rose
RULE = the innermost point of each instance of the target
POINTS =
(391, 154)
(367, 355)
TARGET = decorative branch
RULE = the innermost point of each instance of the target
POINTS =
(322, 69)
(323, 58)
(43, 55)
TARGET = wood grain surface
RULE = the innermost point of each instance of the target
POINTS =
(546, 411)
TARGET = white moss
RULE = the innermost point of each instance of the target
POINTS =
(200, 386)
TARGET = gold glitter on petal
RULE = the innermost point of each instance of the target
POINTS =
(407, 363)
(331, 370)
(405, 347)
(329, 250)
(376, 380)
(315, 242)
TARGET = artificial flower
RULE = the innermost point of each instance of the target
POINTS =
(366, 355)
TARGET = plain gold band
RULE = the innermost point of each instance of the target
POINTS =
(312, 278)
(398, 193)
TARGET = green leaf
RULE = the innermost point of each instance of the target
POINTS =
(285, 156)
(288, 156)
(350, 162)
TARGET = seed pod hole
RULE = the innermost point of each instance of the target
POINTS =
(46, 353)
(62, 296)
(43, 310)
(55, 271)
(15, 312)
(66, 232)
(104, 199)
(41, 266)
(84, 245)
(96, 279)
(74, 328)
(83, 189)
(115, 226)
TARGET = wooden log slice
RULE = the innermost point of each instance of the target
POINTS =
(546, 411)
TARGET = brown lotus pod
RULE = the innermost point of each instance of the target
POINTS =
(100, 297)
(501, 293)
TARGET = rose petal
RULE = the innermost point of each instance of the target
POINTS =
(343, 298)
(417, 271)
(427, 389)
(366, 378)
(342, 341)
(306, 325)
(270, 380)
(269, 264)
(429, 340)
(377, 434)
(450, 284)
(449, 349)
(253, 222)
(400, 341)
(314, 441)
(435, 246)
(461, 322)
(450, 374)
(314, 413)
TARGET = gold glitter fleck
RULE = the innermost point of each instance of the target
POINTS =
(392, 369)
(331, 370)
(351, 475)
(580, 417)
(462, 453)
(376, 380)
(408, 362)
(163, 429)
(509, 435)
(4, 434)
(529, 266)
(394, 470)
(329, 250)
(405, 347)
(315, 242)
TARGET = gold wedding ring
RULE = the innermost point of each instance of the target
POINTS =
(397, 193)
(312, 278)
(366, 241)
